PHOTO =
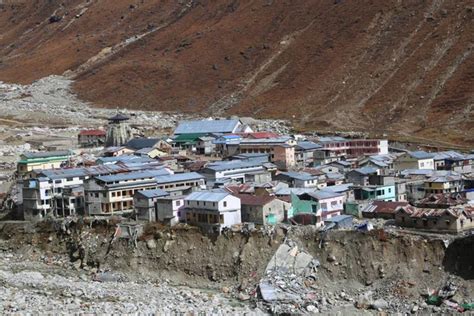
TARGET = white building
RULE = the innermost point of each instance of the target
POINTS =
(212, 211)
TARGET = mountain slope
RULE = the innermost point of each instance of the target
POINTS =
(401, 68)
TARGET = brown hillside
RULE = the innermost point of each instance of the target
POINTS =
(404, 68)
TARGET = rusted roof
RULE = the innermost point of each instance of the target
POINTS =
(92, 132)
(255, 200)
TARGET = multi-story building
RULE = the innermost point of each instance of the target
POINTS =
(444, 184)
(281, 150)
(212, 211)
(414, 160)
(237, 171)
(91, 137)
(30, 161)
(113, 194)
(144, 204)
(335, 148)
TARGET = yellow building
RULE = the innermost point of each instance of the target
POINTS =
(30, 161)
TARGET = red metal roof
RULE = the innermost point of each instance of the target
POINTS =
(92, 132)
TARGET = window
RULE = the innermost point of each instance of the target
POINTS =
(389, 190)
(178, 203)
(113, 194)
(225, 203)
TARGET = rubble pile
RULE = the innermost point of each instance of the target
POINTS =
(289, 281)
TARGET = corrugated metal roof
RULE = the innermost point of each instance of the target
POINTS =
(124, 159)
(178, 177)
(153, 193)
(308, 145)
(366, 170)
(234, 164)
(140, 143)
(207, 196)
(303, 176)
(46, 154)
(420, 154)
(206, 126)
(133, 175)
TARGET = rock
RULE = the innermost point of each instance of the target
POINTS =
(380, 304)
(168, 245)
(225, 290)
(243, 296)
(55, 18)
(331, 258)
(364, 300)
(312, 309)
(151, 244)
(414, 309)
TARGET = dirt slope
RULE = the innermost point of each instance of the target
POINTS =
(404, 68)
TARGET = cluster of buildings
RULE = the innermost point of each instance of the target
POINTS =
(216, 174)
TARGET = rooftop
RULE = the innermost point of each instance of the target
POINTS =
(178, 177)
(302, 176)
(207, 196)
(133, 175)
(46, 154)
(140, 143)
(92, 132)
(153, 193)
(420, 154)
(118, 117)
(206, 126)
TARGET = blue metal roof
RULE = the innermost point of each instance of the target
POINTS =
(133, 175)
(308, 145)
(303, 176)
(207, 196)
(233, 164)
(420, 154)
(206, 126)
(124, 158)
(339, 218)
(178, 177)
(153, 193)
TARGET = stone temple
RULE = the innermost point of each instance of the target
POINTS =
(119, 131)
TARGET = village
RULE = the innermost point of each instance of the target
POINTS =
(217, 174)
(223, 176)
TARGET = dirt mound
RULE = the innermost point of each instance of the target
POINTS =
(405, 69)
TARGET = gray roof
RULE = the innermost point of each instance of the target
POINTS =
(338, 188)
(206, 126)
(133, 175)
(207, 196)
(140, 143)
(420, 154)
(307, 145)
(46, 154)
(54, 174)
(448, 155)
(297, 191)
(234, 164)
(303, 176)
(153, 193)
(330, 139)
(178, 177)
(365, 170)
(338, 218)
(321, 195)
(279, 140)
(124, 159)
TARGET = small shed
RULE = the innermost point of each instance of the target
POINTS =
(339, 221)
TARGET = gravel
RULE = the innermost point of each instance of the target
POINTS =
(39, 288)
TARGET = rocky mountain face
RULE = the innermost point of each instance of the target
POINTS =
(401, 68)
